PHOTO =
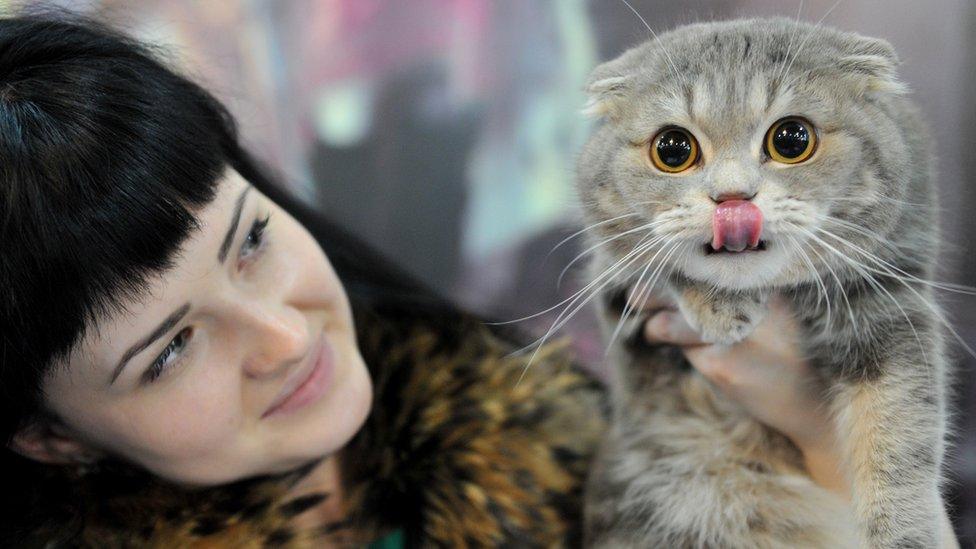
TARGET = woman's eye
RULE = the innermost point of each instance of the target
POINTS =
(170, 355)
(674, 150)
(791, 140)
(255, 238)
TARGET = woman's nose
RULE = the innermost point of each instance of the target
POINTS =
(275, 336)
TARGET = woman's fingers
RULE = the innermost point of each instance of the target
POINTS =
(779, 330)
(713, 362)
(669, 327)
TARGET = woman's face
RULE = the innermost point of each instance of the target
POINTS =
(241, 360)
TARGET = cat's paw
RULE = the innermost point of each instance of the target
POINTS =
(720, 317)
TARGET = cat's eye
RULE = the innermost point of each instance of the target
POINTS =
(674, 150)
(791, 140)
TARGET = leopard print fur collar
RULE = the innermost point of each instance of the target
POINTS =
(457, 451)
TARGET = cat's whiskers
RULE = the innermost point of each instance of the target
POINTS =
(666, 260)
(593, 288)
(875, 238)
(868, 201)
(647, 226)
(589, 228)
(789, 47)
(607, 275)
(881, 240)
(822, 288)
(676, 222)
(647, 202)
(628, 303)
(894, 271)
(631, 304)
(864, 271)
(805, 39)
(639, 249)
(557, 305)
(904, 280)
(664, 50)
(833, 273)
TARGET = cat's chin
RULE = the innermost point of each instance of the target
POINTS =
(747, 269)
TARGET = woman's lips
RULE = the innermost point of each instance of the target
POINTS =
(313, 384)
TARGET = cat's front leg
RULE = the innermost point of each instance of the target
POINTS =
(720, 316)
(892, 428)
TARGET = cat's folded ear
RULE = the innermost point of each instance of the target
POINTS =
(607, 88)
(873, 62)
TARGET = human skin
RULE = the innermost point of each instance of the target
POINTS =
(255, 324)
(766, 375)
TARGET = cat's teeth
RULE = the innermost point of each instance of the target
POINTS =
(729, 247)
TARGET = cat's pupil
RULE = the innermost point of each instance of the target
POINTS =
(674, 148)
(791, 139)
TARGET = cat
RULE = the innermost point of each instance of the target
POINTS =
(736, 160)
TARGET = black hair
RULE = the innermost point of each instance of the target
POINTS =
(105, 156)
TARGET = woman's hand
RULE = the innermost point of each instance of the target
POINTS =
(766, 375)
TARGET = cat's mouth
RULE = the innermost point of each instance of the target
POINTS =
(761, 246)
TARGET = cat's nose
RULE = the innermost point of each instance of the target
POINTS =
(719, 198)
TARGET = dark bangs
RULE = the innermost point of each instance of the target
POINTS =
(105, 154)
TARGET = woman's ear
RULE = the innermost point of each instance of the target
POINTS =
(48, 441)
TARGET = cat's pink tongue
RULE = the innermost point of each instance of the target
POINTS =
(736, 225)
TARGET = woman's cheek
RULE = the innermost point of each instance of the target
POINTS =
(192, 418)
(303, 255)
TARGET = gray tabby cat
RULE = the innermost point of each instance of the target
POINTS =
(737, 159)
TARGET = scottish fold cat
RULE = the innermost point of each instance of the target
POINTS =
(736, 160)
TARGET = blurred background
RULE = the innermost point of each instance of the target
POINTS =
(443, 132)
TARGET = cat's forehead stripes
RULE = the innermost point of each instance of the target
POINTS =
(732, 76)
(760, 95)
(725, 106)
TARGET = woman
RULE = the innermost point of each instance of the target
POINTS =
(189, 356)
(179, 355)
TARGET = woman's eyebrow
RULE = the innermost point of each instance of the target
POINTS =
(229, 237)
(164, 326)
(177, 315)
